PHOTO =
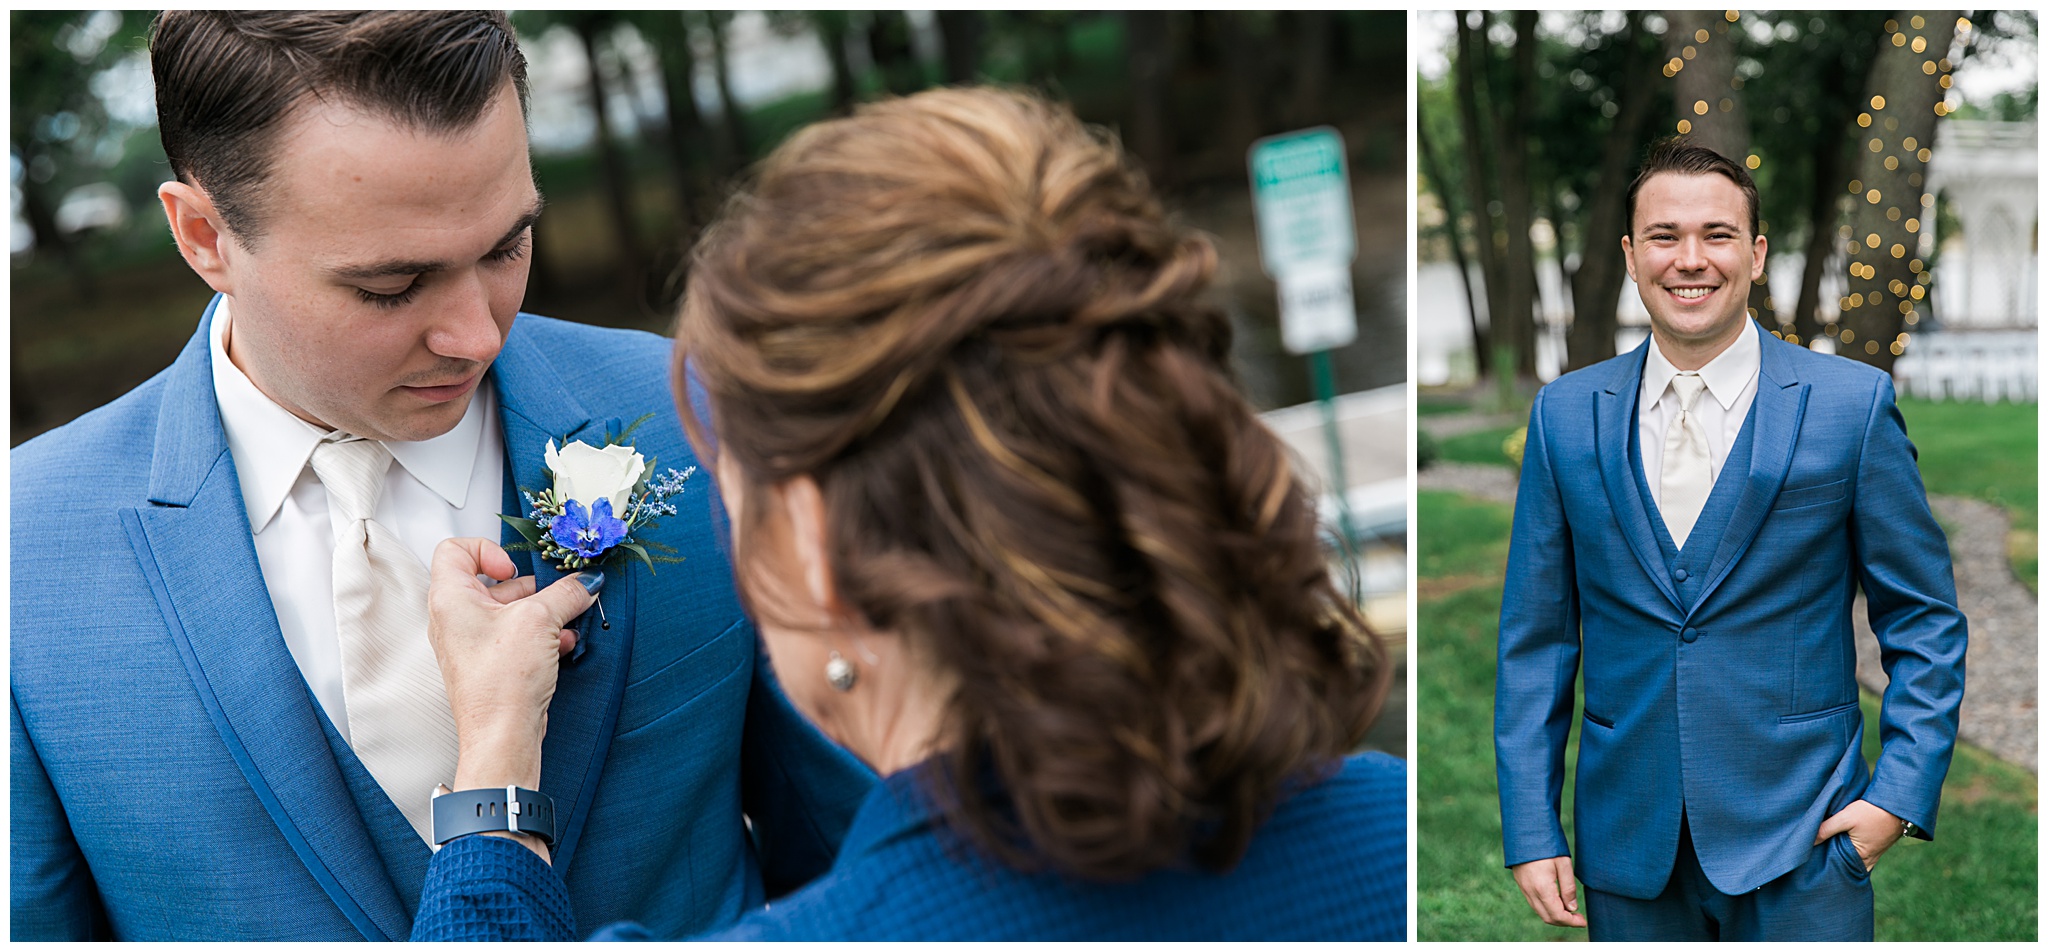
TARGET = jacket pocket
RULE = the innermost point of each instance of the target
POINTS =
(1817, 715)
(1597, 719)
(1811, 496)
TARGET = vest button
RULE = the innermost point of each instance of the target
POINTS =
(1689, 635)
(1681, 575)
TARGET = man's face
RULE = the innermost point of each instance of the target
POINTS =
(389, 268)
(1692, 258)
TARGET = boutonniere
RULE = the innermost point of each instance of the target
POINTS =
(599, 505)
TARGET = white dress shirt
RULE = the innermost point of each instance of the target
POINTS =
(451, 485)
(1731, 383)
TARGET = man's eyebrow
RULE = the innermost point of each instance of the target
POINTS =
(392, 269)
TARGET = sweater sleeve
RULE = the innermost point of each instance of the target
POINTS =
(491, 889)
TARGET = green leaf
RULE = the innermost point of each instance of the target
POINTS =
(525, 527)
(628, 431)
(641, 552)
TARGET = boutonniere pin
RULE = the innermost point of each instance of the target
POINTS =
(599, 504)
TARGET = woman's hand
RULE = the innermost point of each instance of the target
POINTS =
(499, 648)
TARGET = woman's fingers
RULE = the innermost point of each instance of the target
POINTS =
(507, 592)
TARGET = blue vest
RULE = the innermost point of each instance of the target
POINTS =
(1688, 567)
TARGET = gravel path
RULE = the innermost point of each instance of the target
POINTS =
(2001, 692)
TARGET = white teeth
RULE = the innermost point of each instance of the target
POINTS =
(1692, 294)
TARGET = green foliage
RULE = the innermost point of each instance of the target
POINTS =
(1987, 452)
(1426, 451)
(1977, 881)
(1479, 446)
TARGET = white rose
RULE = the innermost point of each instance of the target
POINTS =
(587, 474)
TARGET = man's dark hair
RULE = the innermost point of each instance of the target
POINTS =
(1678, 154)
(226, 82)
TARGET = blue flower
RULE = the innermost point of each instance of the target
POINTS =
(590, 533)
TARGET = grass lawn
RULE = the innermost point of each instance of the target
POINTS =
(1976, 882)
(1478, 446)
(1988, 452)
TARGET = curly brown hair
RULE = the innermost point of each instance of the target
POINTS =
(965, 316)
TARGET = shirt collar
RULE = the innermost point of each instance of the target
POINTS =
(1726, 376)
(271, 445)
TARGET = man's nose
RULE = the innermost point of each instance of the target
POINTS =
(1692, 255)
(466, 328)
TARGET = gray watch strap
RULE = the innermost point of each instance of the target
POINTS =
(512, 808)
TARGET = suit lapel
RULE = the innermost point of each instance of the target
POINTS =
(194, 546)
(1780, 406)
(1614, 418)
(536, 407)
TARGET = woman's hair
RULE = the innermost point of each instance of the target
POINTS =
(965, 316)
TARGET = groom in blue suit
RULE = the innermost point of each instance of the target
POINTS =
(1693, 523)
(186, 715)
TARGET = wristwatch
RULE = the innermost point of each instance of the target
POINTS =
(513, 809)
(1908, 828)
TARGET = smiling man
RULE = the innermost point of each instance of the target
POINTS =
(226, 719)
(1694, 521)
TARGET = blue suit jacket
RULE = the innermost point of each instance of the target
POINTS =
(1331, 863)
(173, 777)
(1729, 696)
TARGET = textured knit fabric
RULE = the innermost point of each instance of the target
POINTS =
(1720, 680)
(1331, 863)
(145, 656)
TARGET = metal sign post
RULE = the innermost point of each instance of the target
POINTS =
(1301, 202)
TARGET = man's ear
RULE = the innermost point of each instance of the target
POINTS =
(1628, 258)
(201, 238)
(1763, 248)
(804, 504)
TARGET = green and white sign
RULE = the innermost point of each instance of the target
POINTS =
(1301, 201)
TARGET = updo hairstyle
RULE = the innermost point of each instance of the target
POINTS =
(965, 316)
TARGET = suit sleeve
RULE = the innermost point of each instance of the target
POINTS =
(53, 895)
(798, 789)
(1538, 661)
(1902, 564)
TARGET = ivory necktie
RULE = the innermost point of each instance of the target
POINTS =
(398, 717)
(1687, 477)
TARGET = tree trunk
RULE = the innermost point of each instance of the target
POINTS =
(1147, 58)
(890, 49)
(1516, 325)
(670, 38)
(1597, 284)
(1312, 32)
(735, 124)
(1432, 166)
(1705, 91)
(1831, 169)
(1241, 64)
(960, 33)
(833, 26)
(1887, 278)
(617, 180)
(1485, 223)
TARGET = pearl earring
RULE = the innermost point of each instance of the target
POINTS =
(840, 674)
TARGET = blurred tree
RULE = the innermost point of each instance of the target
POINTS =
(1810, 73)
(58, 125)
(1709, 100)
(833, 27)
(1478, 177)
(1433, 172)
(736, 148)
(1148, 60)
(1887, 276)
(668, 34)
(960, 33)
(894, 56)
(1597, 282)
(590, 26)
(1515, 328)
